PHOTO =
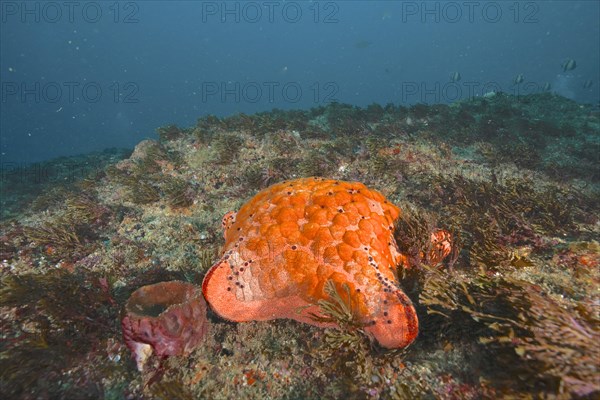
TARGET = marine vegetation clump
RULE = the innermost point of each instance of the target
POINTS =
(527, 131)
(65, 321)
(144, 192)
(241, 122)
(419, 110)
(150, 159)
(409, 386)
(152, 175)
(82, 194)
(194, 272)
(341, 146)
(562, 339)
(73, 231)
(259, 176)
(207, 127)
(84, 209)
(279, 168)
(355, 366)
(259, 124)
(413, 234)
(254, 177)
(116, 175)
(346, 348)
(89, 184)
(548, 346)
(12, 240)
(346, 119)
(383, 158)
(525, 155)
(487, 249)
(498, 214)
(339, 309)
(373, 145)
(522, 154)
(379, 164)
(314, 163)
(59, 239)
(169, 133)
(226, 147)
(178, 192)
(50, 199)
(284, 143)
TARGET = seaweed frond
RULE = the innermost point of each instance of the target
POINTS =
(226, 147)
(169, 132)
(179, 193)
(143, 192)
(65, 320)
(193, 273)
(150, 160)
(314, 163)
(563, 340)
(339, 308)
(347, 348)
(487, 249)
(83, 209)
(549, 345)
(413, 235)
(59, 239)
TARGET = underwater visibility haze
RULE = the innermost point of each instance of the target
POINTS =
(300, 199)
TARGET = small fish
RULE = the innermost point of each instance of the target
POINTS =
(455, 77)
(362, 44)
(569, 65)
(518, 79)
(546, 87)
(588, 84)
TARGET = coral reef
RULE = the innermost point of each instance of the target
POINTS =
(511, 312)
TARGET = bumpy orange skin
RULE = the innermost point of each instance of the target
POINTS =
(286, 242)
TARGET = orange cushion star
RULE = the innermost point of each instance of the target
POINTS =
(291, 238)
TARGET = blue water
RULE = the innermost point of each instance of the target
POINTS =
(83, 76)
